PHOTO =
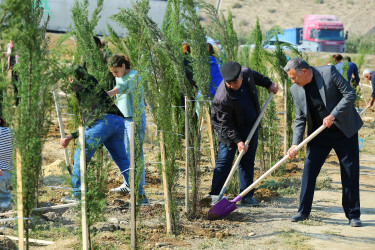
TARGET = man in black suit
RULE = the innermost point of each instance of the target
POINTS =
(322, 96)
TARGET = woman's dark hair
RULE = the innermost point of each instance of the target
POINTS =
(186, 48)
(2, 122)
(211, 50)
(79, 72)
(118, 61)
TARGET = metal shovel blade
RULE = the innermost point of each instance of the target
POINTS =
(221, 209)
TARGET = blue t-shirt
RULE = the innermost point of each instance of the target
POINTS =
(247, 107)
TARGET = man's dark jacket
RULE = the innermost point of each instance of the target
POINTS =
(226, 116)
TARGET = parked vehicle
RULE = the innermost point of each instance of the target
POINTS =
(319, 33)
(323, 33)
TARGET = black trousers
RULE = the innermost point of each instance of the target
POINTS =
(348, 153)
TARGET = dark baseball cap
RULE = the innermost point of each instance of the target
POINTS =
(231, 71)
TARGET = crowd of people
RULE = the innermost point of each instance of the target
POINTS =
(322, 96)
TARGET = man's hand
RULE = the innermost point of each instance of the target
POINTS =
(241, 145)
(64, 142)
(328, 121)
(371, 102)
(273, 88)
(1, 172)
(292, 152)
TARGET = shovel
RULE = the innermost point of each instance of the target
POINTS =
(242, 152)
(225, 207)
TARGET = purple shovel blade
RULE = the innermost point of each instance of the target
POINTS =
(221, 209)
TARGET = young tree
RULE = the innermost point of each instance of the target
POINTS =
(30, 119)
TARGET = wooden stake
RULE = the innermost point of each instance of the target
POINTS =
(187, 156)
(21, 245)
(133, 236)
(44, 242)
(211, 138)
(85, 231)
(61, 126)
(165, 184)
(285, 118)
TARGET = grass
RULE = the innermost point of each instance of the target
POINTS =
(294, 239)
(51, 230)
(333, 233)
(315, 219)
(283, 186)
(324, 184)
(237, 6)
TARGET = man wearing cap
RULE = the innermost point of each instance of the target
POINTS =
(235, 108)
(369, 75)
(322, 96)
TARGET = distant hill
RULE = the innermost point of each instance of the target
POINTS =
(358, 16)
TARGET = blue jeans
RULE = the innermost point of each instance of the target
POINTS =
(127, 121)
(110, 132)
(224, 164)
(5, 196)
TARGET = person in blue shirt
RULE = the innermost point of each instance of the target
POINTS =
(369, 75)
(216, 77)
(127, 82)
(352, 68)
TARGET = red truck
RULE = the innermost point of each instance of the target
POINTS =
(323, 33)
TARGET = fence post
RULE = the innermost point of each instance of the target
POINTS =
(85, 231)
(133, 236)
(211, 138)
(187, 156)
(285, 117)
(61, 126)
(21, 245)
(165, 184)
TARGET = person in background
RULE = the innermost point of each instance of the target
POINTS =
(6, 152)
(125, 92)
(369, 75)
(322, 96)
(235, 108)
(104, 126)
(353, 75)
(352, 68)
(12, 61)
(216, 77)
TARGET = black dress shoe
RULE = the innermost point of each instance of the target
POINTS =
(249, 202)
(299, 217)
(355, 222)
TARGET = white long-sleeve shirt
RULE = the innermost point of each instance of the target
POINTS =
(6, 149)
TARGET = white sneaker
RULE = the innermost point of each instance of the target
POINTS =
(124, 188)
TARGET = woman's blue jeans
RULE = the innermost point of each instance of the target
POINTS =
(128, 120)
(108, 131)
(5, 196)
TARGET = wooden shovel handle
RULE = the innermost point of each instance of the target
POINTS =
(278, 164)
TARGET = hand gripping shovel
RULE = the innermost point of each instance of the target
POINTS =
(225, 207)
(242, 152)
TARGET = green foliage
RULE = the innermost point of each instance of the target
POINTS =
(30, 119)
(159, 62)
(268, 144)
(222, 30)
(359, 44)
